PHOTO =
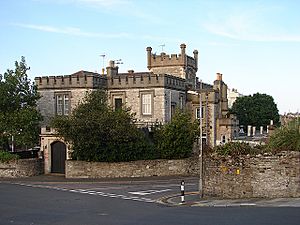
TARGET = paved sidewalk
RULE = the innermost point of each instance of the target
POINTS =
(193, 199)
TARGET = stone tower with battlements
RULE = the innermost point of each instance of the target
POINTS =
(181, 65)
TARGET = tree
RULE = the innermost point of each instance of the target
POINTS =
(19, 117)
(175, 139)
(256, 110)
(98, 133)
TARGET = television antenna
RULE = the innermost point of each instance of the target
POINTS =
(162, 47)
(118, 61)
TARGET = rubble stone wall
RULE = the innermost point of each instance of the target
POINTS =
(267, 176)
(22, 168)
(250, 177)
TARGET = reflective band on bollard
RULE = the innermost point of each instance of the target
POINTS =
(182, 191)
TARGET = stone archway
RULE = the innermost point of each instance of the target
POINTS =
(58, 157)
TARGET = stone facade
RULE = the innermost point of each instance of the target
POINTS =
(74, 86)
(22, 168)
(153, 96)
(166, 92)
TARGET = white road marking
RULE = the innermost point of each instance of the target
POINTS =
(99, 193)
(148, 192)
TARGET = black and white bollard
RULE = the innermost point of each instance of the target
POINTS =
(182, 191)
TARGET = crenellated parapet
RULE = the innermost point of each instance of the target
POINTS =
(145, 80)
(81, 79)
(164, 60)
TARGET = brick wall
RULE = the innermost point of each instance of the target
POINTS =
(22, 168)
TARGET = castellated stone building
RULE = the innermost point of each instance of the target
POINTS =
(171, 82)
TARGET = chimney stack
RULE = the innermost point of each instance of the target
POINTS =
(149, 50)
(219, 77)
(182, 46)
(112, 70)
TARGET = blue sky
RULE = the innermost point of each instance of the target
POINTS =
(254, 44)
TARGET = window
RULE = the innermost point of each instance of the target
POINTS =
(146, 104)
(181, 102)
(173, 109)
(198, 113)
(223, 139)
(62, 104)
(118, 103)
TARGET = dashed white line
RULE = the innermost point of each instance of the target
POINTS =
(99, 193)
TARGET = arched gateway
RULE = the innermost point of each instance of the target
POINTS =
(58, 157)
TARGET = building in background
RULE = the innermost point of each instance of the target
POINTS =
(232, 95)
(288, 117)
(153, 96)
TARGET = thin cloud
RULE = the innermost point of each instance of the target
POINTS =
(229, 32)
(92, 3)
(116, 7)
(71, 31)
(104, 3)
(221, 44)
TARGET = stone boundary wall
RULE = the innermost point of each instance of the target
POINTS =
(22, 168)
(143, 168)
(267, 176)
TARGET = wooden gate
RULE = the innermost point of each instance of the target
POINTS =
(58, 157)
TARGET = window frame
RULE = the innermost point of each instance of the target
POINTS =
(197, 113)
(146, 104)
(150, 110)
(62, 103)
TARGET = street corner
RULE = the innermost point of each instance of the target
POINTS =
(193, 199)
(189, 199)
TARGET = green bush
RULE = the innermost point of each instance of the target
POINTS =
(237, 148)
(175, 139)
(286, 138)
(6, 156)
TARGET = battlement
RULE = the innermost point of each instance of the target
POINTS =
(164, 60)
(81, 79)
(145, 80)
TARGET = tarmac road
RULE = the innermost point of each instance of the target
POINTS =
(58, 201)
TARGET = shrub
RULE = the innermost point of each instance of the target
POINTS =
(286, 138)
(99, 133)
(237, 148)
(6, 156)
(175, 139)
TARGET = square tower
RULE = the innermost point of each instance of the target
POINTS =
(181, 65)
